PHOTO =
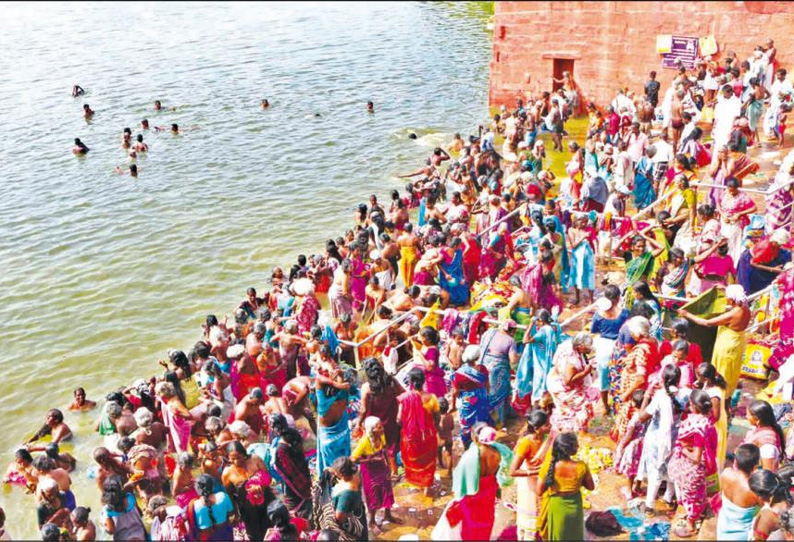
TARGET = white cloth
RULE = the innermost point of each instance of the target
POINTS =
(725, 112)
(664, 152)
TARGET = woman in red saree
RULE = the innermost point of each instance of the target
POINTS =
(641, 360)
(419, 436)
(693, 466)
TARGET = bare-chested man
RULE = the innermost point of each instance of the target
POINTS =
(247, 410)
(645, 114)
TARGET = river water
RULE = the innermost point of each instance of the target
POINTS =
(102, 273)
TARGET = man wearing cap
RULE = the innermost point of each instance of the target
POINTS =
(247, 411)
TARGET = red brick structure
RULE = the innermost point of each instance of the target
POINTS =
(612, 44)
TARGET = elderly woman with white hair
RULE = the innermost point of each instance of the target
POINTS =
(642, 353)
(570, 385)
(176, 417)
(470, 388)
(731, 340)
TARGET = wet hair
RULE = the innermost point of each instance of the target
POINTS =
(81, 514)
(612, 292)
(344, 466)
(52, 451)
(536, 419)
(113, 493)
(709, 372)
(50, 532)
(701, 401)
(139, 139)
(180, 361)
(280, 519)
(23, 455)
(204, 487)
(376, 375)
(202, 350)
(747, 457)
(565, 446)
(43, 463)
(768, 486)
(212, 320)
(416, 377)
(765, 414)
(644, 290)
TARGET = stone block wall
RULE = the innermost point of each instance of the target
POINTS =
(613, 44)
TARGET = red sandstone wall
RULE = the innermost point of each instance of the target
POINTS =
(614, 43)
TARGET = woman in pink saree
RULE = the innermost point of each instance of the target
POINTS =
(693, 466)
(734, 207)
(570, 385)
(359, 277)
(176, 417)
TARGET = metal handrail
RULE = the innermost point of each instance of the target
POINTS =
(373, 335)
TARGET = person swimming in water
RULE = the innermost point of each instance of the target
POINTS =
(140, 146)
(370, 107)
(265, 104)
(133, 170)
(145, 124)
(157, 105)
(126, 139)
(77, 90)
(87, 111)
(80, 403)
(79, 147)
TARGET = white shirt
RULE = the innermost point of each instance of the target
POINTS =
(664, 152)
(780, 87)
(688, 128)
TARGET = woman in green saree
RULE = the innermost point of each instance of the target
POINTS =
(560, 481)
(640, 263)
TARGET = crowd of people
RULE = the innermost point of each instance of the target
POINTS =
(445, 326)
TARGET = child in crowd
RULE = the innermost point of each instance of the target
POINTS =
(629, 450)
(446, 426)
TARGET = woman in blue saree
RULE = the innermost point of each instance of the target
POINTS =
(333, 431)
(536, 361)
(644, 194)
(499, 352)
(451, 277)
(470, 392)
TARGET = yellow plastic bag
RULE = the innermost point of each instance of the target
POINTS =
(754, 362)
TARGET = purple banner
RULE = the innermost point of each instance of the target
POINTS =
(683, 49)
